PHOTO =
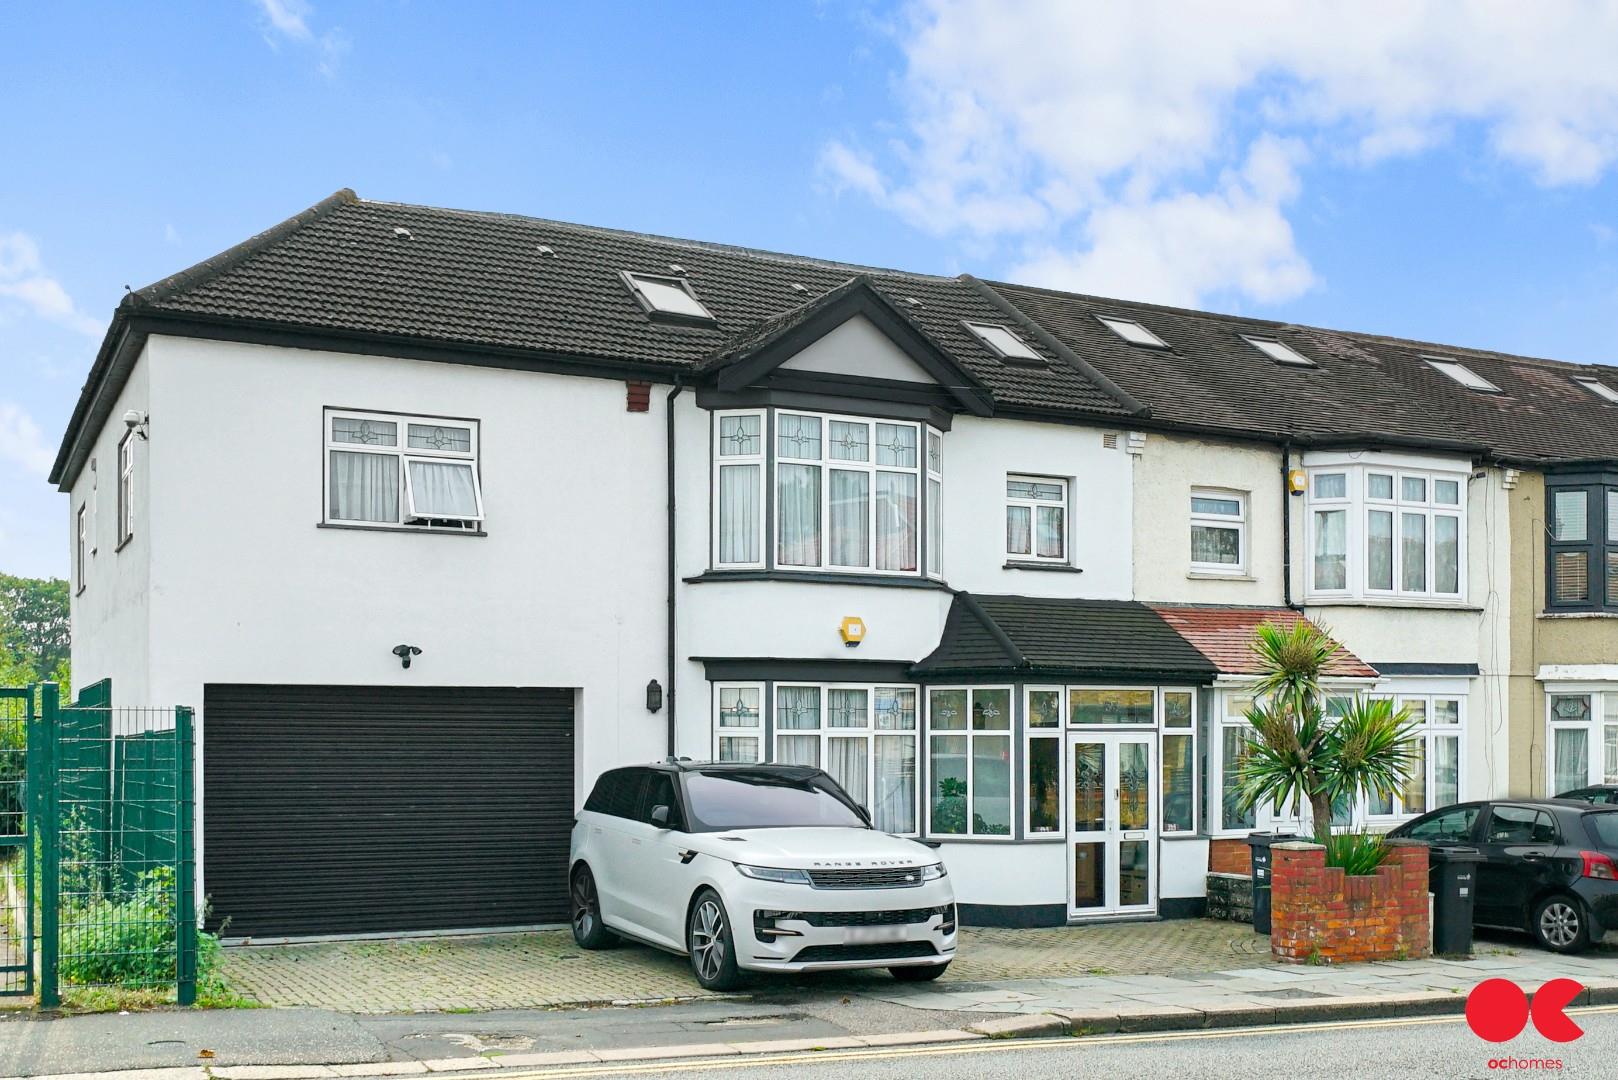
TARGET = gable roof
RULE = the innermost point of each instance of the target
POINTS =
(1095, 639)
(1225, 636)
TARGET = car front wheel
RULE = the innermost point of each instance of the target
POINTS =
(711, 944)
(1560, 924)
(918, 973)
(588, 929)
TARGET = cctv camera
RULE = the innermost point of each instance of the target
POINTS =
(132, 419)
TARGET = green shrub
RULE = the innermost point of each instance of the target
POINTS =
(129, 942)
(1357, 853)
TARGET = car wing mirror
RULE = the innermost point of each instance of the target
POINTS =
(660, 816)
(866, 814)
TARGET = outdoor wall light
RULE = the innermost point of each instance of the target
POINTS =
(135, 421)
(654, 696)
(404, 653)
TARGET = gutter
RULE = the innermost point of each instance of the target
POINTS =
(673, 577)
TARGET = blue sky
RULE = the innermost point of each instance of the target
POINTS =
(1443, 172)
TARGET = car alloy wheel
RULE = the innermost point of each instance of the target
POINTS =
(1559, 924)
(589, 931)
(708, 939)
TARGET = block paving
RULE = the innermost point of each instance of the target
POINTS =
(546, 970)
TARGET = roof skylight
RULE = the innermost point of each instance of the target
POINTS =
(1462, 374)
(1004, 342)
(667, 296)
(1132, 332)
(1599, 388)
(1279, 351)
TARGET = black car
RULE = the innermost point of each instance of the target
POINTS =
(1550, 866)
(1605, 794)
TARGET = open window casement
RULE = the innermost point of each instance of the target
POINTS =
(438, 490)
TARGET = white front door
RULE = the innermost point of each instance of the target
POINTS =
(1112, 823)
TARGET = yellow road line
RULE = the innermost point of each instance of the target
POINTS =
(877, 1053)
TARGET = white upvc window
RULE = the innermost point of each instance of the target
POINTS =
(1218, 531)
(969, 761)
(738, 727)
(1036, 518)
(1386, 532)
(1043, 739)
(1582, 726)
(80, 547)
(1435, 778)
(126, 489)
(387, 469)
(848, 493)
(863, 736)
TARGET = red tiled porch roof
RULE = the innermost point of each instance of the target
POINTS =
(1225, 636)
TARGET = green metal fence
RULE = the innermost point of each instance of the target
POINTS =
(111, 812)
(16, 846)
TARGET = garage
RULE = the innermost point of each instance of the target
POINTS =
(374, 809)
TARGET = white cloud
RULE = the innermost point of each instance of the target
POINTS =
(1077, 133)
(23, 281)
(288, 20)
(22, 442)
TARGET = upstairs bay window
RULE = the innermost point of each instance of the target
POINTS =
(1582, 545)
(1386, 533)
(847, 493)
(412, 471)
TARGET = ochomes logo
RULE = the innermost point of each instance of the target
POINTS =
(1498, 1010)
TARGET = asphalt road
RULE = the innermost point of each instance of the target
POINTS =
(1377, 1049)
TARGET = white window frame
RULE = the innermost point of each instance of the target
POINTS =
(758, 461)
(1164, 732)
(1601, 717)
(126, 489)
(1358, 505)
(933, 504)
(868, 733)
(1430, 732)
(1009, 733)
(405, 453)
(1031, 735)
(1033, 505)
(81, 546)
(754, 731)
(1221, 521)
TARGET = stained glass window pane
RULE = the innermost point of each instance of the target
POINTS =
(1570, 708)
(455, 440)
(738, 706)
(991, 710)
(946, 710)
(896, 445)
(935, 452)
(739, 435)
(1176, 708)
(847, 708)
(850, 442)
(798, 436)
(797, 708)
(365, 432)
(1110, 707)
(1044, 708)
(895, 709)
(1570, 517)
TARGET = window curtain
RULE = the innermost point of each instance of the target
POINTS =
(364, 487)
(1051, 541)
(1234, 746)
(850, 518)
(1019, 530)
(1413, 552)
(442, 489)
(1446, 770)
(1609, 748)
(798, 489)
(1379, 550)
(935, 527)
(846, 762)
(895, 521)
(1446, 554)
(1572, 768)
(738, 513)
(894, 807)
(1331, 549)
(798, 750)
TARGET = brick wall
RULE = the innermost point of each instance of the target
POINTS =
(1229, 857)
(1320, 914)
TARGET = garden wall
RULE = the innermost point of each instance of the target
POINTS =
(1320, 914)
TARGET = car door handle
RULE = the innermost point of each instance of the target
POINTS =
(1536, 855)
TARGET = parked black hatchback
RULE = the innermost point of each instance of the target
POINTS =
(1550, 866)
(1603, 794)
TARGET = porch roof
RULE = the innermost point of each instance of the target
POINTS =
(1224, 635)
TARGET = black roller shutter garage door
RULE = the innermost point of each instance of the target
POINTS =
(363, 809)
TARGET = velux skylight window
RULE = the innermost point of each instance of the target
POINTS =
(1600, 389)
(1133, 332)
(1004, 342)
(1462, 374)
(1279, 351)
(667, 296)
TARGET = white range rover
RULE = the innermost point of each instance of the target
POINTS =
(754, 868)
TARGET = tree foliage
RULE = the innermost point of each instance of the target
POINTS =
(35, 643)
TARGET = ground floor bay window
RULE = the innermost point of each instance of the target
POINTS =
(1582, 743)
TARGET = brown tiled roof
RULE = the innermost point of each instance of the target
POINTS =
(1225, 636)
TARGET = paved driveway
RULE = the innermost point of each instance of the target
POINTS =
(514, 971)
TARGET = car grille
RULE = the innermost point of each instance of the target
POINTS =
(898, 950)
(872, 918)
(874, 877)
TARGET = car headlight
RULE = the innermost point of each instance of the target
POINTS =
(770, 873)
(934, 872)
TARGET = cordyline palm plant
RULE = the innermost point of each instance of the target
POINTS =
(1298, 754)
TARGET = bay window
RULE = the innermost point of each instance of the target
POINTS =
(969, 761)
(385, 469)
(1582, 544)
(1386, 532)
(1179, 784)
(1583, 743)
(1042, 758)
(848, 492)
(1435, 776)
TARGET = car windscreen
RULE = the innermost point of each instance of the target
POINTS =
(1604, 829)
(760, 800)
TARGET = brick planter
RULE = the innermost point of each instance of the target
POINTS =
(1322, 915)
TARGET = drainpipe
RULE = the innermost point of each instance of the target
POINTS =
(673, 581)
(1286, 527)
